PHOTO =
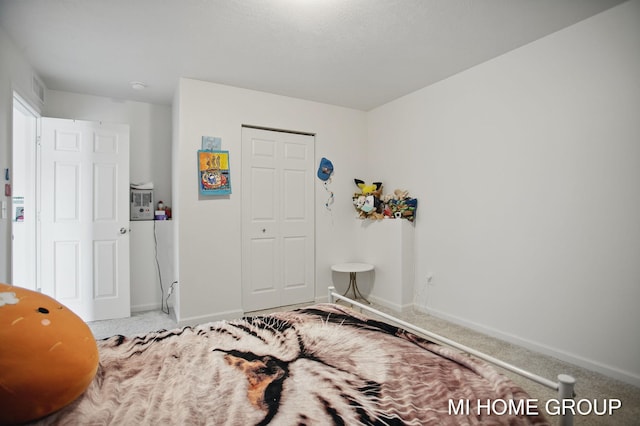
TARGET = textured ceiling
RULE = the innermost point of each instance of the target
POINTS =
(354, 53)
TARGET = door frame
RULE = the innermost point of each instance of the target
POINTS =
(31, 178)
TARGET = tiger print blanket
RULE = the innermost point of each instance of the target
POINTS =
(320, 365)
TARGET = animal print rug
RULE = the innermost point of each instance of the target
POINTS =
(315, 366)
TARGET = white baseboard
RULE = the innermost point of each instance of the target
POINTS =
(201, 319)
(615, 373)
(145, 307)
(387, 304)
(374, 299)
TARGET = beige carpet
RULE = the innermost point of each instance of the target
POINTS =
(138, 323)
(589, 385)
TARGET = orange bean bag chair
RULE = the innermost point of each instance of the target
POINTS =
(48, 355)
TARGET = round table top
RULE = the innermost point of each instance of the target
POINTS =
(352, 267)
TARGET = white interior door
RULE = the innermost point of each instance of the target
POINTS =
(84, 216)
(277, 218)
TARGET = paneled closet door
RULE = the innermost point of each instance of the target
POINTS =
(277, 218)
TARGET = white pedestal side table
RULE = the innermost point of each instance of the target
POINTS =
(353, 269)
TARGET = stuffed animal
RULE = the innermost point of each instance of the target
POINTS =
(400, 194)
(375, 188)
(48, 355)
(371, 204)
(368, 202)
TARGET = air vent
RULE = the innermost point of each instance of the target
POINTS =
(38, 88)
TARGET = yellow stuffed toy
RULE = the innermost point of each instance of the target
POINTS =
(48, 355)
(375, 188)
(367, 203)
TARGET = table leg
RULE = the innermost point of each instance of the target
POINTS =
(353, 285)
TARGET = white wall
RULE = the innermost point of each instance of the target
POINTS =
(150, 127)
(208, 231)
(151, 247)
(150, 160)
(15, 74)
(527, 169)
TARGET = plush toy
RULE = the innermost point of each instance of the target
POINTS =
(402, 206)
(371, 204)
(400, 194)
(375, 188)
(368, 202)
(48, 355)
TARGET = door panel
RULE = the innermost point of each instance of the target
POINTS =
(84, 216)
(264, 267)
(278, 219)
(294, 195)
(105, 181)
(263, 182)
(66, 178)
(66, 269)
(294, 254)
(105, 265)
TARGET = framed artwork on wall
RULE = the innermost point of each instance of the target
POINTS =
(214, 173)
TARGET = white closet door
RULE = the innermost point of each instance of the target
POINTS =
(278, 255)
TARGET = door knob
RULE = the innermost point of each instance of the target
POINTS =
(264, 230)
(123, 230)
